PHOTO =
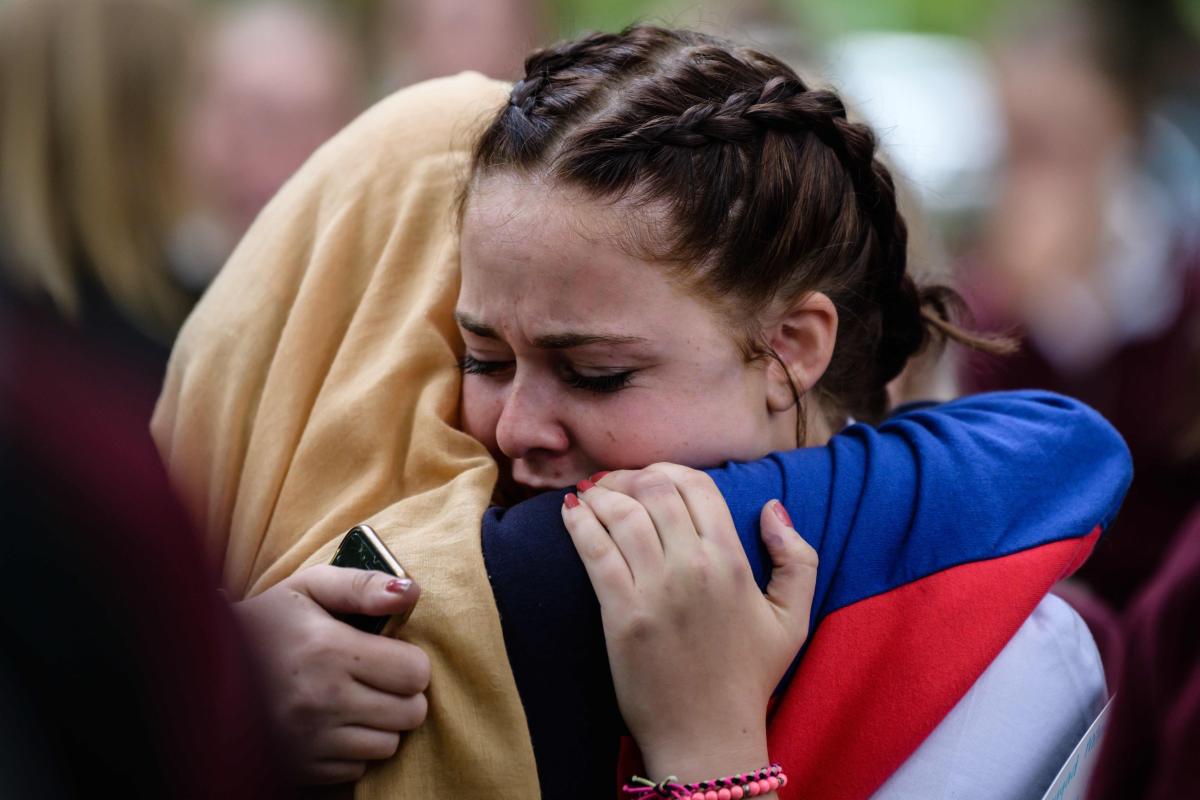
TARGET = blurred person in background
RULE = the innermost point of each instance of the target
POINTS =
(1151, 743)
(1093, 252)
(91, 191)
(121, 665)
(276, 79)
(421, 39)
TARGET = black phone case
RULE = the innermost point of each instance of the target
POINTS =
(358, 552)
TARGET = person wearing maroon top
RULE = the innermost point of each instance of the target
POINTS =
(1154, 733)
(122, 666)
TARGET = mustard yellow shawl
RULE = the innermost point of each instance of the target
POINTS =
(315, 387)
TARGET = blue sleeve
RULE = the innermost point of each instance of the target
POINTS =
(966, 480)
(981, 477)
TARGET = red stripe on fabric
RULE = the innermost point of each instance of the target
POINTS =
(879, 675)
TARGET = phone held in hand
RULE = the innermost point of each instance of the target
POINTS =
(361, 548)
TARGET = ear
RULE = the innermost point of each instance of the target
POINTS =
(803, 338)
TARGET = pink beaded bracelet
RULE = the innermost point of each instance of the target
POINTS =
(733, 787)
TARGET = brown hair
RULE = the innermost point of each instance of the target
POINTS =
(89, 95)
(770, 191)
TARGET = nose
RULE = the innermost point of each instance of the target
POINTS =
(529, 421)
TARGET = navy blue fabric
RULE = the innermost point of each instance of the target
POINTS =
(555, 643)
(977, 478)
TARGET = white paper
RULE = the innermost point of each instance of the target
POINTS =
(1072, 780)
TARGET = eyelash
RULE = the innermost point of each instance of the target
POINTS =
(473, 366)
(600, 384)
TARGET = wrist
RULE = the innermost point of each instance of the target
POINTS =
(760, 782)
(698, 758)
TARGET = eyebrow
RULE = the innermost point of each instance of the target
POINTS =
(549, 341)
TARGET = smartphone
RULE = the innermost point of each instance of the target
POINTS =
(361, 548)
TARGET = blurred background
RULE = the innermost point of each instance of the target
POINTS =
(1050, 153)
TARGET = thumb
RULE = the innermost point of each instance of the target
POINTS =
(347, 590)
(794, 576)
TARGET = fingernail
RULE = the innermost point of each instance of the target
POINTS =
(781, 512)
(571, 500)
(596, 478)
(398, 585)
(584, 485)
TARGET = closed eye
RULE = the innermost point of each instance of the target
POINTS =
(600, 384)
(473, 366)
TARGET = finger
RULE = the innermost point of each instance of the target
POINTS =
(630, 526)
(621, 480)
(794, 573)
(704, 502)
(356, 591)
(357, 743)
(386, 712)
(658, 494)
(606, 567)
(389, 665)
(611, 478)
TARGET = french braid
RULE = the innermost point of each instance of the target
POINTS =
(771, 190)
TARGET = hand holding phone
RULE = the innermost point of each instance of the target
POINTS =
(361, 548)
(339, 698)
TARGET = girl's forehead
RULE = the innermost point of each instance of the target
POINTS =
(534, 261)
(523, 206)
(519, 237)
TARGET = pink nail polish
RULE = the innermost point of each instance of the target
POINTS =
(584, 485)
(781, 512)
(596, 478)
(570, 501)
(398, 585)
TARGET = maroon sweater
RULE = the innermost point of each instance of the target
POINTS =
(1153, 738)
(121, 669)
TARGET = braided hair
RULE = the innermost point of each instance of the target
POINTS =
(769, 190)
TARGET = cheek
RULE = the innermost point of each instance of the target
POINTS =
(481, 407)
(696, 429)
(620, 432)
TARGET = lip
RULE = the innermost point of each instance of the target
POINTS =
(522, 476)
(541, 485)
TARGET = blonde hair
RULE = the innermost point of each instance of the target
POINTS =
(89, 96)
